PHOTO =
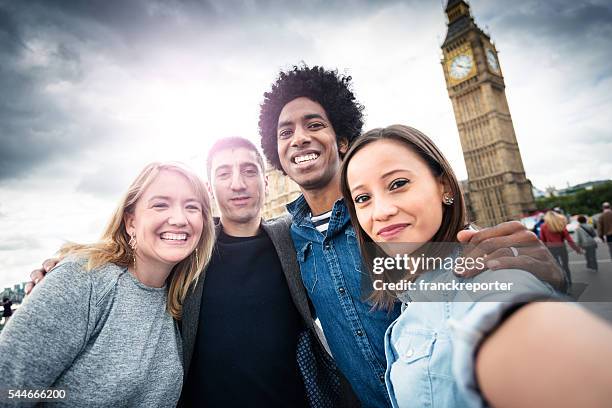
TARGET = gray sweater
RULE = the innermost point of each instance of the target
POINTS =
(583, 238)
(102, 335)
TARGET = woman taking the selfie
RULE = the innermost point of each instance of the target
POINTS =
(102, 326)
(463, 349)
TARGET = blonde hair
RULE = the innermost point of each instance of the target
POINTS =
(113, 246)
(556, 222)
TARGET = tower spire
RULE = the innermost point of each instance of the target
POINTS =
(457, 8)
(459, 19)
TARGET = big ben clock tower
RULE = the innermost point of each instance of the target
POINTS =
(499, 190)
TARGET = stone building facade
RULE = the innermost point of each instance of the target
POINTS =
(281, 191)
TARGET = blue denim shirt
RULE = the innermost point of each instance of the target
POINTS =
(431, 347)
(331, 271)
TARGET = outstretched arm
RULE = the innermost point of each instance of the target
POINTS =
(547, 354)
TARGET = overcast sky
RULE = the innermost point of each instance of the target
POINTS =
(92, 91)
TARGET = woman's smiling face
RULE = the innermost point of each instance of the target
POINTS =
(167, 221)
(397, 198)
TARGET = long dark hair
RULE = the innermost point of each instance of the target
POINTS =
(453, 216)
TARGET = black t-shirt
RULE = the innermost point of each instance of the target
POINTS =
(245, 349)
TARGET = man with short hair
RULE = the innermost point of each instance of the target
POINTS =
(307, 121)
(240, 326)
(604, 225)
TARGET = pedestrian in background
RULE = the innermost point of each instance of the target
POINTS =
(553, 233)
(538, 225)
(7, 312)
(585, 239)
(604, 226)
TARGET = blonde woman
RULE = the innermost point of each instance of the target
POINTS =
(553, 233)
(103, 326)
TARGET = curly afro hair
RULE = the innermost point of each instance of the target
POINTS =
(328, 88)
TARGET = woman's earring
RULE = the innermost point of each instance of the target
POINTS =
(132, 245)
(447, 199)
(196, 255)
(132, 242)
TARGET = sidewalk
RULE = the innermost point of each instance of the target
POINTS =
(594, 289)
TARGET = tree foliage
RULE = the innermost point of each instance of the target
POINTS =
(581, 202)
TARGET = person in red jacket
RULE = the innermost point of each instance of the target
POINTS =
(553, 232)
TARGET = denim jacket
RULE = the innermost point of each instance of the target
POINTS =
(330, 265)
(431, 347)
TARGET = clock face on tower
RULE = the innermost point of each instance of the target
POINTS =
(461, 66)
(492, 60)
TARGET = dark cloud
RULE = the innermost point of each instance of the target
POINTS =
(558, 21)
(132, 19)
(35, 126)
(578, 30)
(10, 40)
